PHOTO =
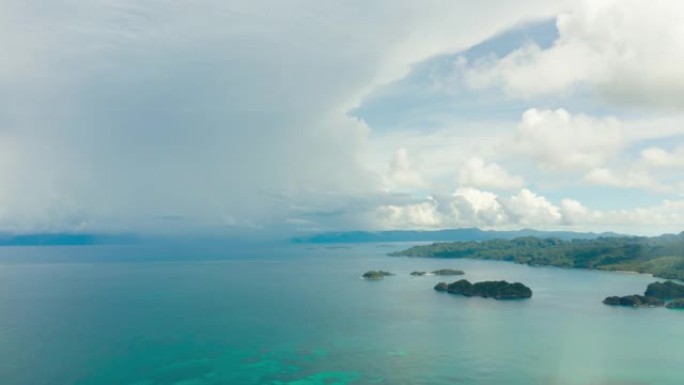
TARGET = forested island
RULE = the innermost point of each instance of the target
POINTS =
(486, 289)
(665, 290)
(662, 256)
(634, 300)
(657, 294)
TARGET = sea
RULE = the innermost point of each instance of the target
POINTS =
(299, 314)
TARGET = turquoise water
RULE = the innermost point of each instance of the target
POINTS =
(301, 316)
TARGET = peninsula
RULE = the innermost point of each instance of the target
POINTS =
(662, 256)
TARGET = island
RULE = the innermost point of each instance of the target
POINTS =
(657, 295)
(634, 301)
(376, 275)
(665, 290)
(448, 272)
(661, 256)
(445, 272)
(486, 289)
(676, 304)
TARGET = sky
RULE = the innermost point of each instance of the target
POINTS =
(269, 117)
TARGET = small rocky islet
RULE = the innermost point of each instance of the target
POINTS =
(376, 275)
(380, 274)
(485, 289)
(502, 290)
(442, 272)
(657, 294)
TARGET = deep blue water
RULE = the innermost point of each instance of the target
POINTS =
(192, 315)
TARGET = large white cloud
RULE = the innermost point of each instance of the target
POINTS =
(597, 150)
(556, 139)
(162, 115)
(631, 51)
(468, 207)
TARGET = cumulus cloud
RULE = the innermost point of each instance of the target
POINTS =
(529, 209)
(631, 51)
(477, 208)
(556, 139)
(476, 173)
(573, 212)
(598, 150)
(470, 207)
(424, 215)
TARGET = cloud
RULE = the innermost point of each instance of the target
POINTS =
(573, 212)
(556, 139)
(424, 215)
(598, 150)
(470, 207)
(661, 158)
(121, 114)
(478, 208)
(402, 172)
(476, 173)
(629, 51)
(529, 209)
(220, 116)
(636, 179)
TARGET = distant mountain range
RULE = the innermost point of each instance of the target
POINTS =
(453, 235)
(470, 234)
(64, 239)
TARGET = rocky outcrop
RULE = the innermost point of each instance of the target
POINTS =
(676, 304)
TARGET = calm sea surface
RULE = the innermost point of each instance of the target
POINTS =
(300, 315)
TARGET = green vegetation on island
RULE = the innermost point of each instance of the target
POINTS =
(662, 256)
(376, 275)
(486, 289)
(634, 301)
(447, 272)
(665, 290)
(444, 272)
(656, 295)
